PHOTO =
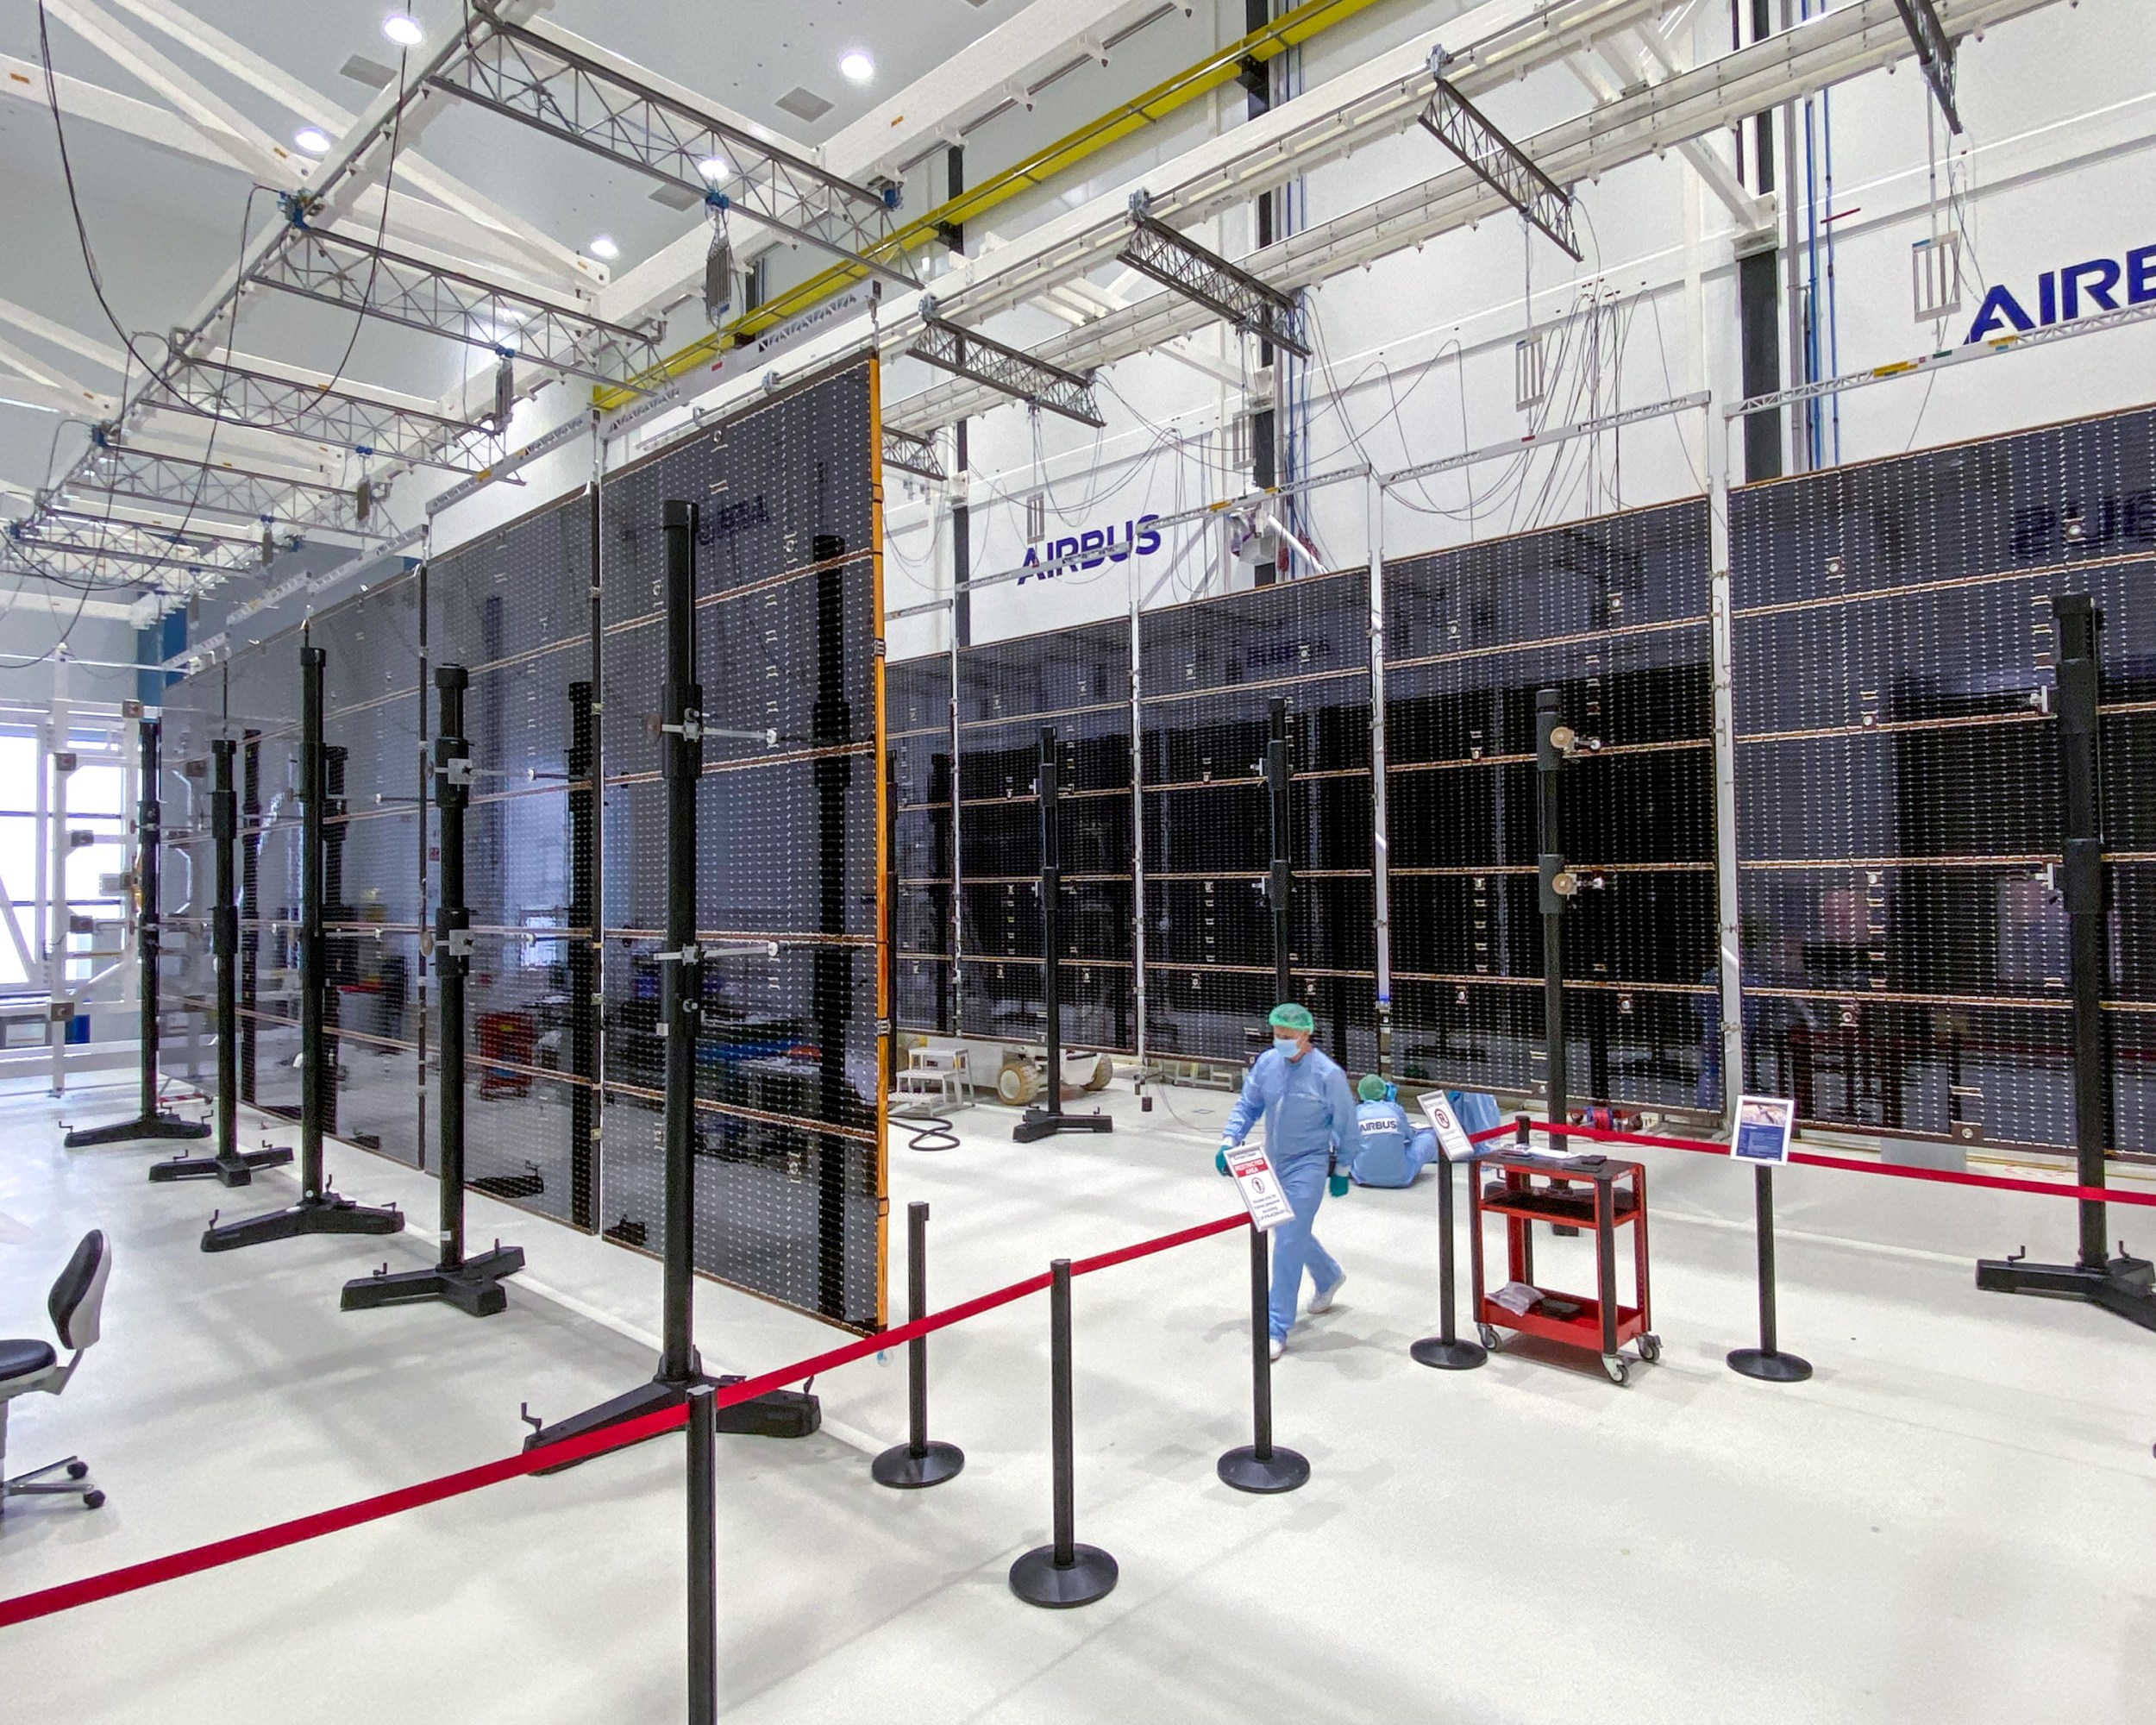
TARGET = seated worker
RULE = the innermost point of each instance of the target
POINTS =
(1390, 1149)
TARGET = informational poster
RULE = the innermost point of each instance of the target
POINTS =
(1765, 1125)
(1260, 1186)
(1452, 1138)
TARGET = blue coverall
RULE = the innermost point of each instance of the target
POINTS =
(1391, 1149)
(1308, 1111)
(1476, 1110)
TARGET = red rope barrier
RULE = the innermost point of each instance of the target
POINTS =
(132, 1578)
(1948, 1176)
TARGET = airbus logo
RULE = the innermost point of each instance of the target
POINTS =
(2062, 295)
(1091, 548)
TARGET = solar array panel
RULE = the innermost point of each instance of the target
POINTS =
(1614, 614)
(921, 793)
(1898, 779)
(193, 714)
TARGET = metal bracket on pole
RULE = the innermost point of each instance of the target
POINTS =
(1492, 157)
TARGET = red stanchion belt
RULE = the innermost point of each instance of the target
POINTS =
(132, 1578)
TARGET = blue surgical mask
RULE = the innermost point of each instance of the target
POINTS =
(1285, 1044)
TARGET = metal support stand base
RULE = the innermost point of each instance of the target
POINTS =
(141, 1127)
(1039, 1579)
(474, 1286)
(1448, 1356)
(781, 1413)
(1769, 1366)
(1283, 1469)
(1040, 1123)
(900, 1469)
(228, 1171)
(327, 1215)
(2125, 1286)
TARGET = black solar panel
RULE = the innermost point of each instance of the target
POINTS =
(919, 795)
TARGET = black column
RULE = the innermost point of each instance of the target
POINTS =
(1551, 737)
(583, 966)
(1280, 877)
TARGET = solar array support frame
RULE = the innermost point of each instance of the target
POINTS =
(1048, 1118)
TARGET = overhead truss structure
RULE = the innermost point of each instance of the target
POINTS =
(909, 453)
(177, 482)
(1177, 261)
(1462, 129)
(354, 275)
(55, 544)
(963, 354)
(530, 75)
(1934, 53)
(350, 421)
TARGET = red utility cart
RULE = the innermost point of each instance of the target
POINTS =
(1570, 1192)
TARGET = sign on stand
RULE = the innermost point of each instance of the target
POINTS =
(1452, 1137)
(1764, 1124)
(1260, 1186)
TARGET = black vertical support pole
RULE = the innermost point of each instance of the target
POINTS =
(148, 834)
(919, 1461)
(230, 1164)
(1445, 1351)
(682, 701)
(702, 1556)
(831, 964)
(582, 766)
(1280, 876)
(250, 912)
(1049, 1118)
(331, 968)
(1551, 737)
(1767, 1362)
(1063, 1573)
(1260, 1465)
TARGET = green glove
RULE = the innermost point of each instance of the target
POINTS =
(1220, 1159)
(1337, 1185)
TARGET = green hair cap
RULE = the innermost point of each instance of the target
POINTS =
(1291, 1015)
(1372, 1088)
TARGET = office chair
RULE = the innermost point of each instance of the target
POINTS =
(26, 1366)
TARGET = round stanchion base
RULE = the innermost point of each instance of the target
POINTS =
(1774, 1367)
(1039, 1579)
(1448, 1356)
(1246, 1470)
(898, 1468)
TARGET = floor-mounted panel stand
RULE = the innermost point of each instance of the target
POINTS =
(149, 1120)
(319, 1211)
(1048, 1118)
(783, 1412)
(2122, 1284)
(474, 1284)
(230, 1165)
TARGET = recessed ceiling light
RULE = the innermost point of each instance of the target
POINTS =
(857, 65)
(312, 138)
(713, 168)
(403, 29)
(603, 248)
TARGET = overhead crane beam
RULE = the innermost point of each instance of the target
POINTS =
(363, 424)
(1232, 294)
(1462, 129)
(1006, 370)
(178, 482)
(911, 455)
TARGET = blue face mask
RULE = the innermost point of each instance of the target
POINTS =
(1285, 1046)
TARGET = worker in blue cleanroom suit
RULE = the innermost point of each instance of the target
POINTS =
(1390, 1149)
(1309, 1115)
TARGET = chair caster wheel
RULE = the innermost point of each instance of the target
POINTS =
(1651, 1348)
(93, 1500)
(76, 1469)
(1489, 1336)
(1619, 1368)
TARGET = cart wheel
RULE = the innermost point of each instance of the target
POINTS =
(1619, 1368)
(1651, 1348)
(1489, 1335)
(1018, 1085)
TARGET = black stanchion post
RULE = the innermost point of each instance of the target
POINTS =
(1064, 1573)
(148, 1121)
(919, 1461)
(1767, 1362)
(703, 1555)
(1445, 1351)
(473, 1284)
(783, 1412)
(1049, 1119)
(319, 1211)
(230, 1164)
(1261, 1465)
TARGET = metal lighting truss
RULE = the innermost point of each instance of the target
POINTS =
(1828, 49)
(1006, 370)
(530, 75)
(77, 550)
(1176, 261)
(909, 453)
(176, 482)
(357, 423)
(1466, 130)
(356, 276)
(1934, 52)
